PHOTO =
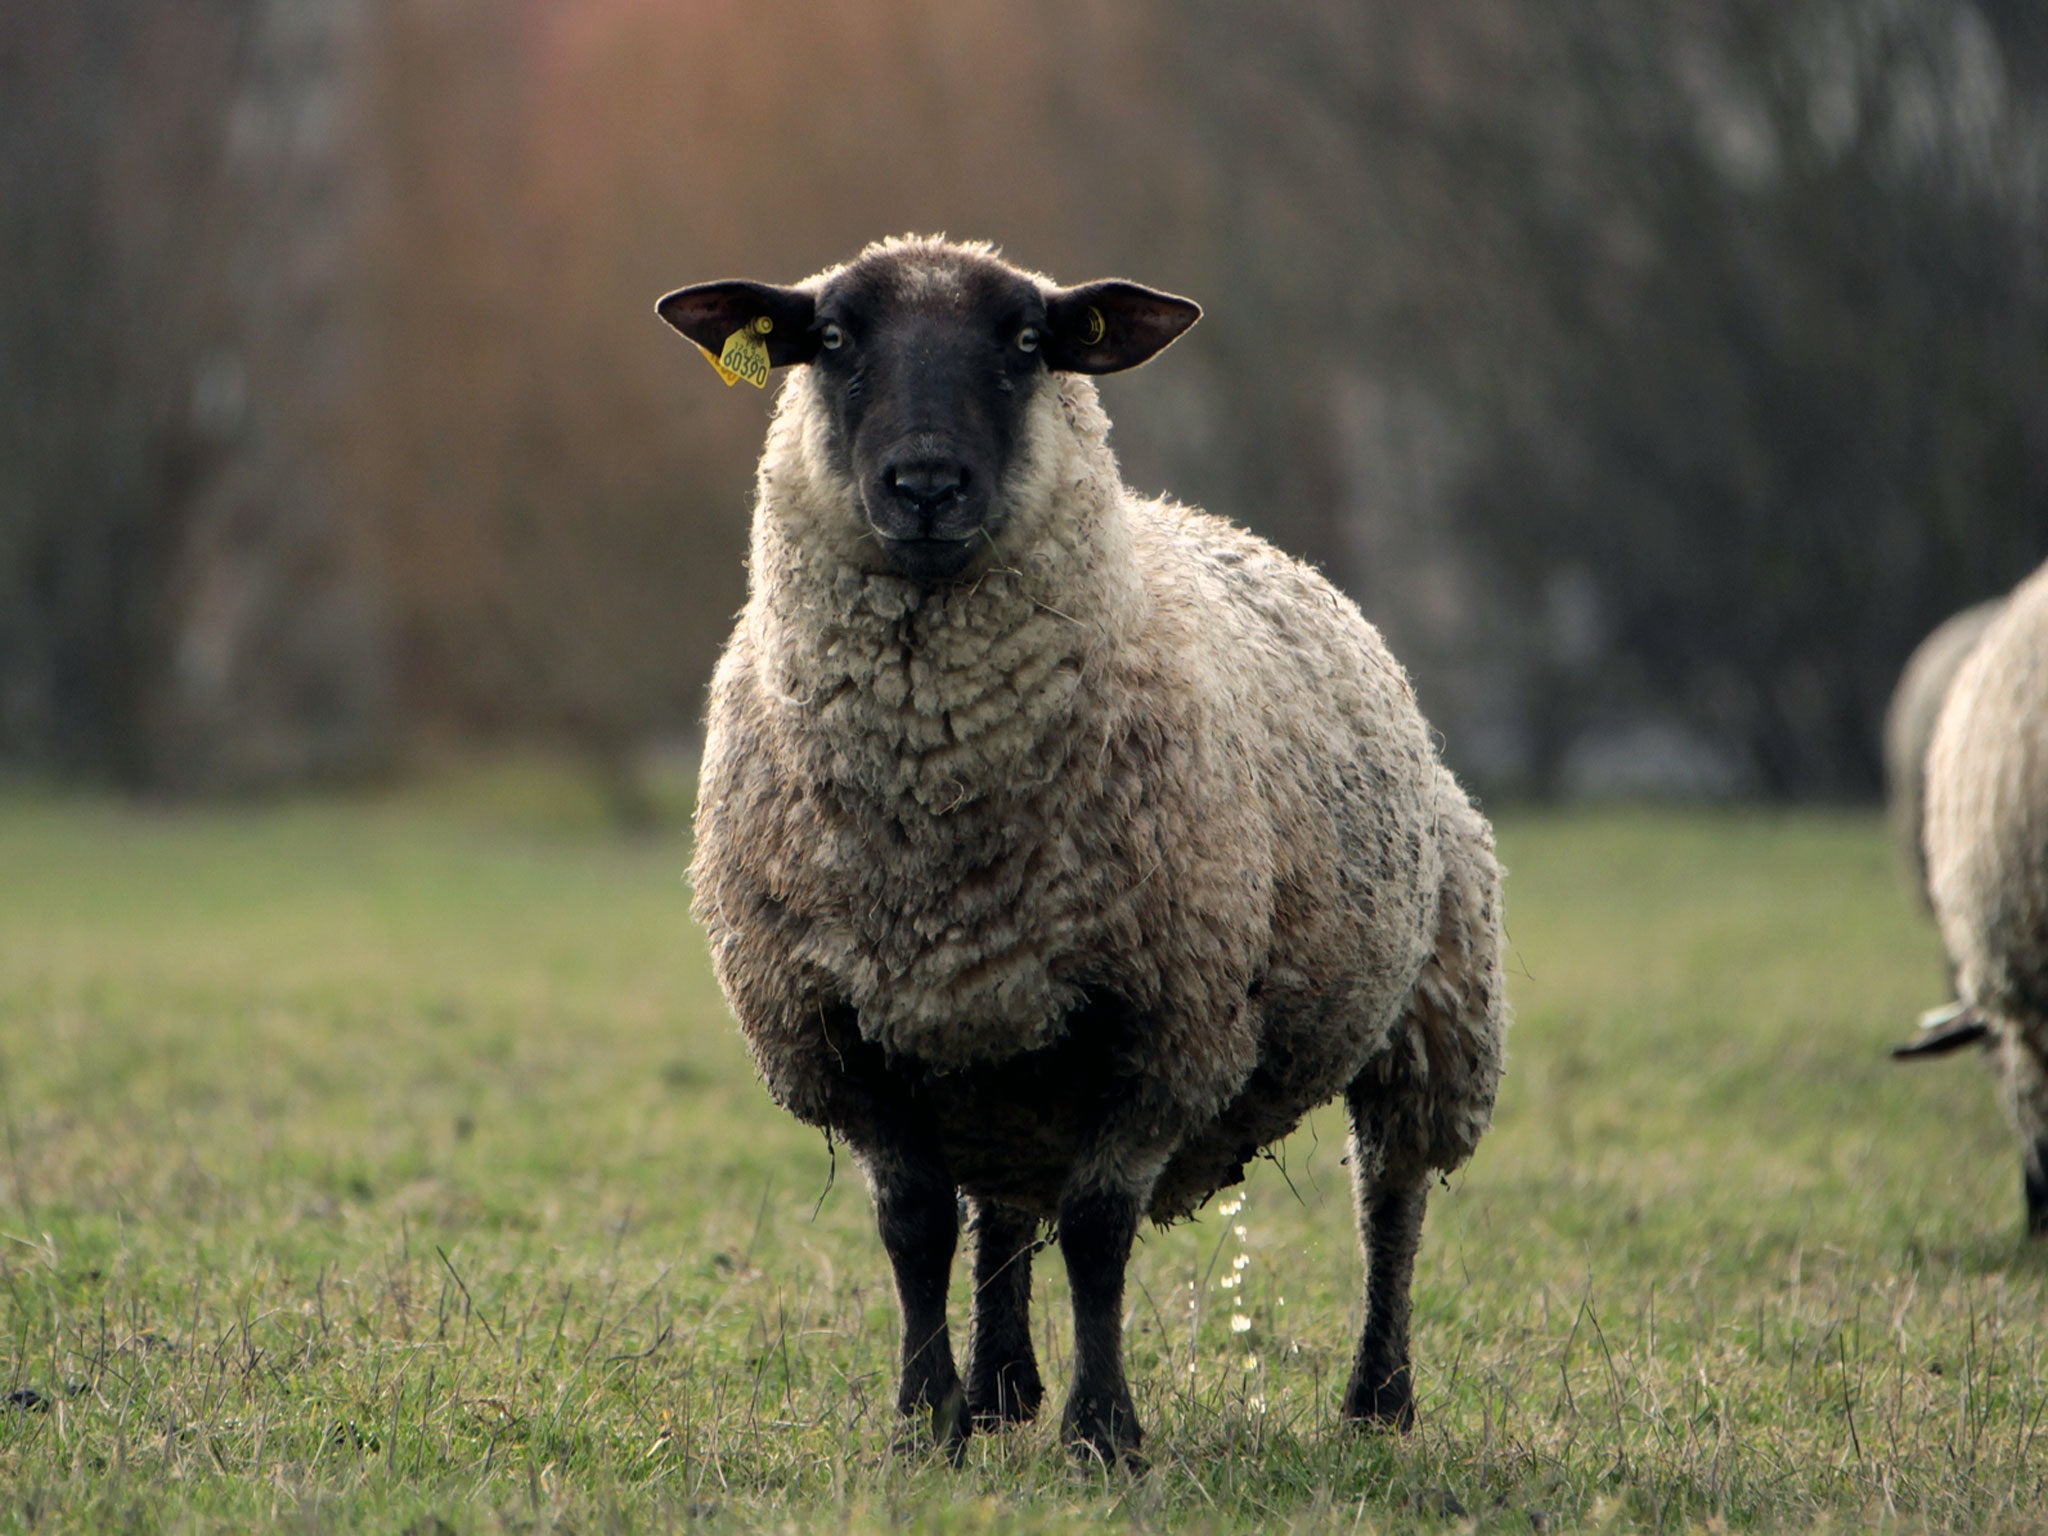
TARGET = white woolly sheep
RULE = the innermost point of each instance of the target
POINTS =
(1060, 849)
(1909, 727)
(1987, 860)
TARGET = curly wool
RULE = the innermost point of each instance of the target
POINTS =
(1144, 756)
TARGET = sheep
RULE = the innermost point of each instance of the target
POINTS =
(1059, 849)
(1987, 861)
(1909, 725)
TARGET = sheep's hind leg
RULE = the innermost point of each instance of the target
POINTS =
(918, 1213)
(1003, 1385)
(1381, 1393)
(1421, 1106)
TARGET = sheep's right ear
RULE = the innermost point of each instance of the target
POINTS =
(710, 313)
(1109, 326)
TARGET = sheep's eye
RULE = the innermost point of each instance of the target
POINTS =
(831, 338)
(1027, 339)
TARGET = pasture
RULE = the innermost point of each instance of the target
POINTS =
(391, 1165)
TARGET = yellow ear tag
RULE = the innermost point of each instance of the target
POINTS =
(746, 354)
(1097, 328)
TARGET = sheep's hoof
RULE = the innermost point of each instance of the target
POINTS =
(1103, 1429)
(949, 1426)
(952, 1424)
(1378, 1402)
(1007, 1394)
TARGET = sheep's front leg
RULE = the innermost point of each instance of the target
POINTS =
(1099, 1213)
(1098, 1223)
(1003, 1385)
(918, 1214)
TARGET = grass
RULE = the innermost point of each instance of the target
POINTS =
(393, 1167)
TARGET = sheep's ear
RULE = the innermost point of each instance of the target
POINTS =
(1105, 327)
(1943, 1030)
(710, 313)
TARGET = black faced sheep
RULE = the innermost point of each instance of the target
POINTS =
(1058, 848)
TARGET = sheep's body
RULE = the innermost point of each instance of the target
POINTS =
(1072, 882)
(1987, 856)
(1153, 759)
(1909, 727)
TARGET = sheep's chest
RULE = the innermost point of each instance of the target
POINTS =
(939, 764)
(949, 935)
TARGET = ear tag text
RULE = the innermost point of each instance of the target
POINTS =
(746, 355)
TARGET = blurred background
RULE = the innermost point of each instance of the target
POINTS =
(1654, 374)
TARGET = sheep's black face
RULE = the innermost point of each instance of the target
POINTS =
(927, 371)
(928, 356)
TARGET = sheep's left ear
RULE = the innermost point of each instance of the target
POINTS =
(1109, 326)
(710, 312)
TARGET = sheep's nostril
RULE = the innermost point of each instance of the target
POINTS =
(928, 483)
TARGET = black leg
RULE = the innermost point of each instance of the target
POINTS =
(918, 1213)
(1003, 1385)
(1381, 1393)
(1097, 1226)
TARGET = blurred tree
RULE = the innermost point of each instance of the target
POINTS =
(563, 486)
(187, 601)
(1668, 366)
(1727, 321)
(1799, 412)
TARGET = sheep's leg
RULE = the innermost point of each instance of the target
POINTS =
(1421, 1106)
(1098, 1222)
(1381, 1393)
(1003, 1385)
(918, 1213)
(1390, 1193)
(2024, 1081)
(1097, 1226)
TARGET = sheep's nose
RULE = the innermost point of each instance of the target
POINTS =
(927, 485)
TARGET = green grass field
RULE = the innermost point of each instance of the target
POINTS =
(392, 1166)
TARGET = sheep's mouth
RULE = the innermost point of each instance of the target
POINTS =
(929, 559)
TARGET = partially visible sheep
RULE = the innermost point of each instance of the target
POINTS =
(1987, 859)
(1059, 848)
(1909, 726)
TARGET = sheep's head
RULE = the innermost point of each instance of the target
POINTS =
(927, 356)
